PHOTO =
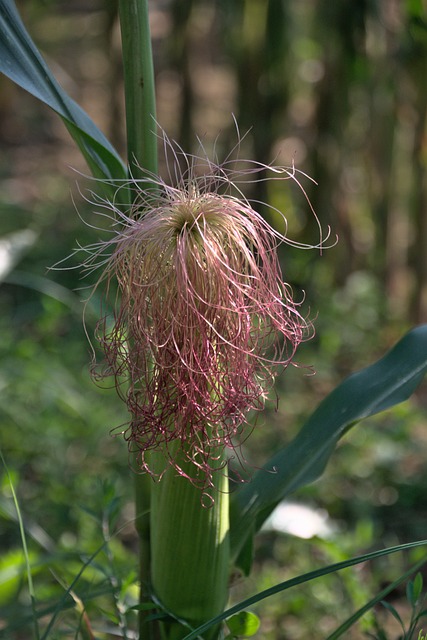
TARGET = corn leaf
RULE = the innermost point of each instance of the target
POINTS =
(21, 61)
(301, 579)
(380, 386)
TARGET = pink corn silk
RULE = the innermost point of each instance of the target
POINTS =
(203, 320)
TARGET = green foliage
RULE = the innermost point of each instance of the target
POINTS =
(21, 61)
(414, 589)
(418, 611)
(378, 387)
(84, 583)
(243, 625)
(312, 575)
(54, 422)
(338, 633)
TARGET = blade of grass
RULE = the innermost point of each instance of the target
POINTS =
(24, 547)
(306, 577)
(345, 626)
(68, 592)
(20, 618)
(58, 608)
(83, 627)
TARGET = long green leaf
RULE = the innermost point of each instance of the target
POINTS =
(24, 547)
(21, 61)
(345, 626)
(293, 582)
(384, 384)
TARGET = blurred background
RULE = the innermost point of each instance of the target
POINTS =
(340, 90)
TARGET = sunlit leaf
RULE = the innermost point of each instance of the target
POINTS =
(243, 624)
(417, 587)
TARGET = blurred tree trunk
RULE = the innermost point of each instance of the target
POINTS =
(420, 206)
(340, 27)
(115, 76)
(418, 70)
(180, 57)
(387, 259)
(258, 41)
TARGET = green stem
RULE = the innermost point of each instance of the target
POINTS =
(143, 483)
(142, 158)
(139, 87)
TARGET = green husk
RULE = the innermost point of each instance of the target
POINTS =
(190, 547)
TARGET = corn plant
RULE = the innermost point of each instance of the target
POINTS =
(196, 322)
